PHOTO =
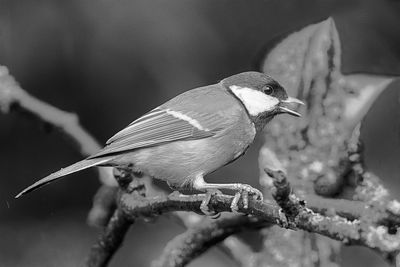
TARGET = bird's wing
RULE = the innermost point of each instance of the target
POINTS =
(160, 126)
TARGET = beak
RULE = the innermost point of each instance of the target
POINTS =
(290, 100)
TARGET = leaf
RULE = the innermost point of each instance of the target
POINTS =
(307, 63)
(363, 90)
(312, 56)
(312, 51)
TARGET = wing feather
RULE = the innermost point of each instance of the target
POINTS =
(161, 126)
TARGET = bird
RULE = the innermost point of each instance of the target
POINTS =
(194, 134)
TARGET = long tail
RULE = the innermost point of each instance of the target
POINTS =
(80, 165)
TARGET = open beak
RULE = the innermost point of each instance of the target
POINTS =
(289, 101)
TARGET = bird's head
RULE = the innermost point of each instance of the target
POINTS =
(262, 96)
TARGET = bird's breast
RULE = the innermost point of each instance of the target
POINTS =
(180, 162)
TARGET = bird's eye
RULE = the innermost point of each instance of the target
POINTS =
(267, 89)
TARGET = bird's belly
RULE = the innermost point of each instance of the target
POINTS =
(178, 163)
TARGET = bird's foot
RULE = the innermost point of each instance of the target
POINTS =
(204, 206)
(244, 191)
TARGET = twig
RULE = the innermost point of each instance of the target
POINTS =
(389, 215)
(282, 194)
(113, 235)
(14, 98)
(185, 247)
(353, 209)
(233, 246)
(239, 251)
(292, 206)
(109, 242)
(103, 207)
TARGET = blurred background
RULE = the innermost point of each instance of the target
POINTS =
(111, 61)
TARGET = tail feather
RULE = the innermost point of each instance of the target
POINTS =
(80, 165)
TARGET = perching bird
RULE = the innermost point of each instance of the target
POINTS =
(193, 134)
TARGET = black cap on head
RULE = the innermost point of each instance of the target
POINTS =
(258, 81)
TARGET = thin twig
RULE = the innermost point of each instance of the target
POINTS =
(282, 193)
(234, 247)
(109, 242)
(113, 235)
(103, 207)
(349, 209)
(14, 98)
(239, 251)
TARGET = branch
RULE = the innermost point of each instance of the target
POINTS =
(109, 242)
(374, 200)
(14, 98)
(282, 193)
(354, 210)
(113, 235)
(202, 236)
(349, 209)
(103, 207)
(335, 227)
(234, 247)
(239, 251)
(292, 206)
(185, 247)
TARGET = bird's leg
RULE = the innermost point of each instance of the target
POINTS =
(204, 204)
(242, 191)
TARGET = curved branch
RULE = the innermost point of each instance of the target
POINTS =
(113, 235)
(109, 242)
(103, 206)
(232, 246)
(14, 98)
(185, 247)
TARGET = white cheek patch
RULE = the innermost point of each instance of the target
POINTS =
(256, 102)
